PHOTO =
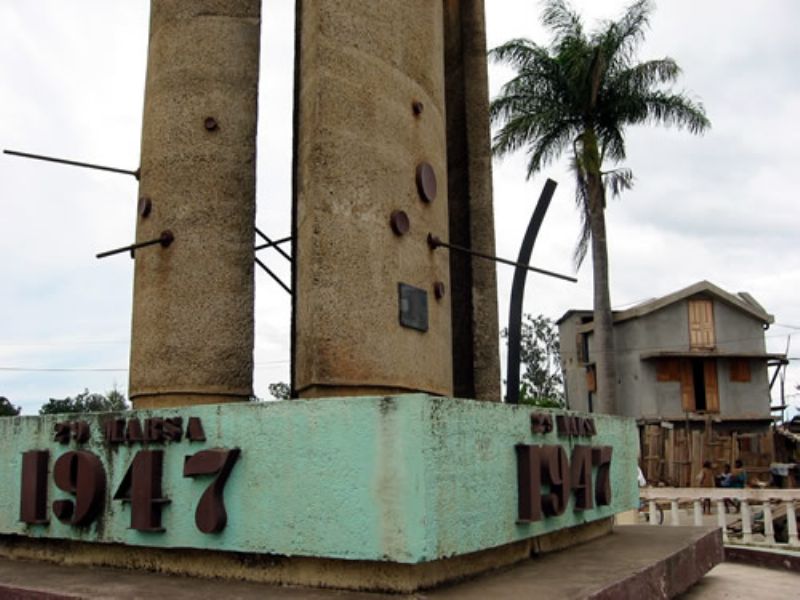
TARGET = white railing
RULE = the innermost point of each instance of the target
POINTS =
(750, 502)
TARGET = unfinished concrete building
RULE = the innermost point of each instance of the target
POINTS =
(693, 369)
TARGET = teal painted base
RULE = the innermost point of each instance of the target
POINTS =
(406, 479)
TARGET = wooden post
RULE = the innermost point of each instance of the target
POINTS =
(654, 514)
(670, 456)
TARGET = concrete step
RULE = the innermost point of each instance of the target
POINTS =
(632, 562)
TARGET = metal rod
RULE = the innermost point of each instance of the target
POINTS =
(165, 239)
(73, 163)
(775, 375)
(273, 245)
(518, 291)
(275, 277)
(434, 242)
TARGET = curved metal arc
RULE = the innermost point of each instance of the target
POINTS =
(518, 292)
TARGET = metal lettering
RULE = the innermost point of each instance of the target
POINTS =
(114, 431)
(133, 431)
(33, 499)
(529, 484)
(81, 474)
(601, 458)
(541, 423)
(154, 429)
(173, 429)
(141, 486)
(555, 474)
(210, 515)
(582, 477)
(61, 432)
(194, 430)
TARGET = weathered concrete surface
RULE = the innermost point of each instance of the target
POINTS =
(192, 329)
(358, 142)
(733, 581)
(770, 557)
(408, 480)
(631, 563)
(473, 282)
(638, 332)
(298, 570)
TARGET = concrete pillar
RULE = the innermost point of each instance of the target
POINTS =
(698, 513)
(674, 515)
(721, 519)
(653, 513)
(473, 281)
(192, 330)
(747, 522)
(791, 523)
(769, 527)
(370, 113)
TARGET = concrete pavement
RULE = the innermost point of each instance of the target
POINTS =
(633, 562)
(732, 581)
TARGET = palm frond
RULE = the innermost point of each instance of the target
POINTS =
(579, 93)
(612, 142)
(517, 53)
(619, 39)
(562, 20)
(618, 181)
(548, 148)
(582, 203)
(676, 110)
(644, 76)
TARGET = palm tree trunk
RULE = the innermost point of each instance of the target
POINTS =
(604, 355)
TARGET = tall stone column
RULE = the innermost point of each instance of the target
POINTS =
(371, 304)
(476, 336)
(192, 329)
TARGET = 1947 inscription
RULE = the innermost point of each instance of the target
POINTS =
(81, 475)
(540, 467)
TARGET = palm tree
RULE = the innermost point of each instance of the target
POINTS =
(577, 96)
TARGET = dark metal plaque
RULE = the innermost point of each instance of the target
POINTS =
(413, 307)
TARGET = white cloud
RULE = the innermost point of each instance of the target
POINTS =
(721, 207)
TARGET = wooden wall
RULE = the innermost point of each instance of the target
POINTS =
(674, 456)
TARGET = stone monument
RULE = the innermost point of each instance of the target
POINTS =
(390, 483)
(391, 144)
(192, 331)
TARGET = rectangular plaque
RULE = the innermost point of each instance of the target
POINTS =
(413, 307)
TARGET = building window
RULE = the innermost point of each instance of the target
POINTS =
(668, 369)
(699, 389)
(740, 370)
(701, 324)
(591, 378)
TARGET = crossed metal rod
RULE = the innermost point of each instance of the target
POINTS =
(270, 243)
(72, 163)
(166, 237)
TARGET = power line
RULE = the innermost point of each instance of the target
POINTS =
(104, 370)
(61, 370)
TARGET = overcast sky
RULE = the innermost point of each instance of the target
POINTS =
(719, 207)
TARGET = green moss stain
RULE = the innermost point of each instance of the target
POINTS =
(406, 479)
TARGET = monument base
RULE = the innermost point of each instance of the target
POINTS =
(632, 562)
(298, 570)
(389, 493)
